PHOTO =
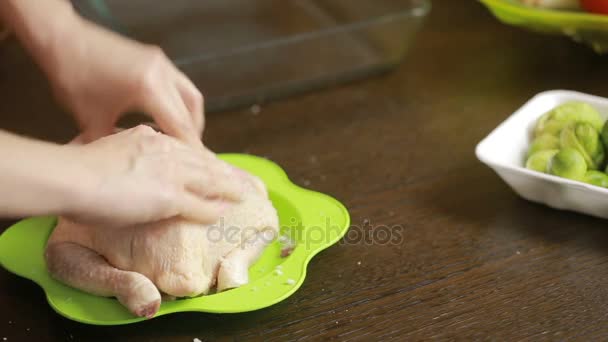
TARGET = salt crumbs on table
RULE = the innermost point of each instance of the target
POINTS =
(196, 340)
(255, 109)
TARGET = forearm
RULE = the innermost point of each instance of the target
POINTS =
(40, 25)
(36, 178)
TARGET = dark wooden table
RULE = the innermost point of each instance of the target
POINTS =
(474, 262)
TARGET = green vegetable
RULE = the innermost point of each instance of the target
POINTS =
(568, 163)
(544, 142)
(556, 119)
(604, 135)
(596, 178)
(539, 161)
(586, 140)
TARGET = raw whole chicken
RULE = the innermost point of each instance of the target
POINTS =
(172, 257)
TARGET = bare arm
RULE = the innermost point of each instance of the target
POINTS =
(35, 174)
(131, 177)
(99, 75)
(39, 25)
(37, 178)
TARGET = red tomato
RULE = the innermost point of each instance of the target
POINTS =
(595, 6)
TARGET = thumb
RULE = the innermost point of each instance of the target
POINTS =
(172, 116)
(97, 130)
(78, 140)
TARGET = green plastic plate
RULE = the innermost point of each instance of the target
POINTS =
(314, 221)
(591, 29)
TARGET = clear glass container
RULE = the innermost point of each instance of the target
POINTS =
(241, 52)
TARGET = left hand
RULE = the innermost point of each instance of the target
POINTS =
(99, 75)
(138, 176)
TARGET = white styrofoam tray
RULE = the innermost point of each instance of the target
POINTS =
(504, 150)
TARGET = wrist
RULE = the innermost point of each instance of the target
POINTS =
(41, 178)
(60, 38)
(41, 26)
(75, 188)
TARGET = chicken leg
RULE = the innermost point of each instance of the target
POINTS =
(83, 268)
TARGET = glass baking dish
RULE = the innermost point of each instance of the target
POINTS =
(242, 52)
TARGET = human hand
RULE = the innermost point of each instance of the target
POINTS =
(139, 175)
(99, 76)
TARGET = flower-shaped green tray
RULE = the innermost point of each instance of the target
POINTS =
(312, 220)
(590, 29)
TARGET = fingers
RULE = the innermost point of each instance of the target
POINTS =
(81, 140)
(190, 162)
(204, 153)
(194, 208)
(78, 140)
(96, 130)
(211, 187)
(207, 153)
(170, 112)
(205, 188)
(193, 99)
(206, 176)
(209, 179)
(174, 103)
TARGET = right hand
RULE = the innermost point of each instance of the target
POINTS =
(99, 76)
(139, 175)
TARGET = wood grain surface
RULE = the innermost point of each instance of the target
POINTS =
(472, 261)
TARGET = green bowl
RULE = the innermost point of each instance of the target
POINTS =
(314, 221)
(590, 29)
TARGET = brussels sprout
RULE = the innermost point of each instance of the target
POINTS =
(596, 178)
(553, 121)
(540, 160)
(568, 163)
(544, 142)
(604, 135)
(586, 140)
